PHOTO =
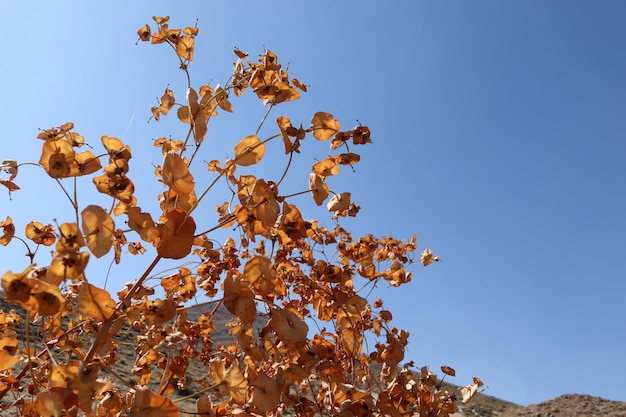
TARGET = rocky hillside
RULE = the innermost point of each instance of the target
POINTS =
(570, 405)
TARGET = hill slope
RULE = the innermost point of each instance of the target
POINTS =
(570, 405)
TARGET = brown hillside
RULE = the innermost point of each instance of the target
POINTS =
(571, 405)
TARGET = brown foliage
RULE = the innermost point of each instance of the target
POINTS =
(286, 365)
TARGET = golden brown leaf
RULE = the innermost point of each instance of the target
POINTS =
(176, 234)
(71, 240)
(56, 402)
(260, 272)
(230, 382)
(448, 371)
(95, 301)
(10, 167)
(167, 101)
(288, 326)
(221, 96)
(427, 257)
(116, 186)
(161, 35)
(194, 115)
(240, 53)
(468, 392)
(361, 135)
(116, 148)
(74, 139)
(299, 84)
(8, 230)
(157, 312)
(169, 145)
(8, 353)
(40, 234)
(184, 47)
(284, 124)
(347, 158)
(18, 287)
(191, 31)
(239, 298)
(319, 189)
(324, 125)
(147, 404)
(10, 185)
(50, 301)
(161, 19)
(266, 391)
(86, 163)
(173, 35)
(339, 202)
(142, 223)
(144, 33)
(181, 286)
(57, 158)
(175, 174)
(249, 151)
(70, 265)
(98, 228)
(326, 167)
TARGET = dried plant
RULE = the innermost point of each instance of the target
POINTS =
(277, 269)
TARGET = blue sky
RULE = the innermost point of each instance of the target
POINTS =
(499, 135)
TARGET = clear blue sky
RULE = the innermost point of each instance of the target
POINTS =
(499, 139)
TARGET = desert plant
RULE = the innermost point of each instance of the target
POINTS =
(276, 274)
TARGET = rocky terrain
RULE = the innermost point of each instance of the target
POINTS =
(569, 405)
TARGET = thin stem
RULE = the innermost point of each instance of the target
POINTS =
(74, 206)
(286, 169)
(104, 329)
(269, 109)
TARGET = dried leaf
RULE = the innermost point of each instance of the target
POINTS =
(427, 257)
(142, 223)
(299, 84)
(98, 228)
(95, 301)
(144, 33)
(260, 272)
(326, 167)
(8, 353)
(50, 301)
(288, 326)
(249, 151)
(448, 371)
(266, 393)
(86, 163)
(10, 185)
(71, 240)
(339, 202)
(347, 158)
(70, 265)
(239, 298)
(319, 189)
(175, 174)
(240, 53)
(57, 158)
(284, 124)
(167, 101)
(40, 234)
(176, 235)
(8, 230)
(147, 404)
(324, 125)
(10, 167)
(184, 47)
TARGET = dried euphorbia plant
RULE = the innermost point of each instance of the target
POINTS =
(275, 274)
